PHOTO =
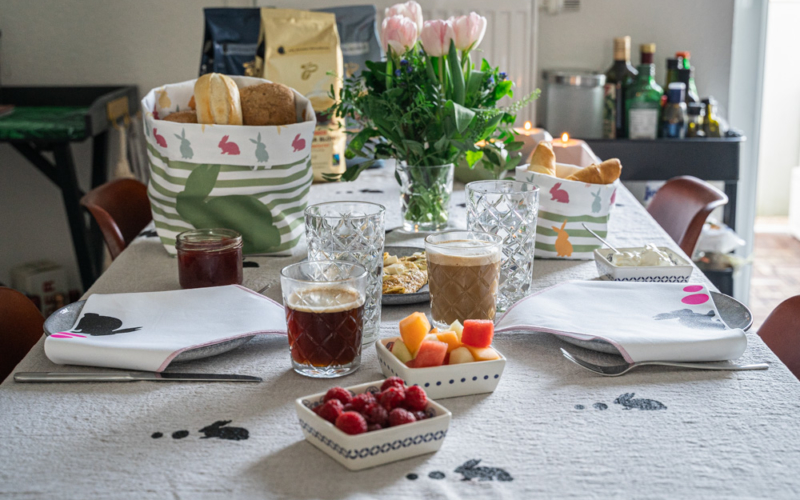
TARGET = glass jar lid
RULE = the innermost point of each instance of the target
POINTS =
(208, 240)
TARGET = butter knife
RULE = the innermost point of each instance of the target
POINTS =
(25, 377)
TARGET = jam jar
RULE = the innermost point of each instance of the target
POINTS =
(209, 257)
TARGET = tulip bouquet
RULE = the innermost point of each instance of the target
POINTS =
(429, 107)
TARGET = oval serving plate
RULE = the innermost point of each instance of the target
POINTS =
(65, 318)
(731, 311)
(398, 299)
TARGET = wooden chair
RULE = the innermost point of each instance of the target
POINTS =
(781, 333)
(21, 326)
(682, 206)
(121, 209)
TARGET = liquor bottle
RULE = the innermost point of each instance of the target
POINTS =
(673, 65)
(694, 120)
(618, 78)
(673, 118)
(685, 77)
(710, 123)
(685, 57)
(643, 99)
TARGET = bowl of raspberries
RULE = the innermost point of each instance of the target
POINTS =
(374, 423)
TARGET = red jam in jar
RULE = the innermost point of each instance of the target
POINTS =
(209, 257)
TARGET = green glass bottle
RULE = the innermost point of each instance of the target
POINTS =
(619, 78)
(710, 123)
(685, 57)
(643, 99)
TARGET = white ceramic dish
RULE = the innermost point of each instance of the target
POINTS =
(375, 448)
(649, 274)
(447, 381)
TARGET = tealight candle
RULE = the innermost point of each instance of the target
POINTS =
(573, 151)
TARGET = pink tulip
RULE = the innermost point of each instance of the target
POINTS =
(399, 33)
(468, 30)
(410, 9)
(436, 36)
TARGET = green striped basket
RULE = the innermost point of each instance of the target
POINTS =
(252, 179)
(564, 206)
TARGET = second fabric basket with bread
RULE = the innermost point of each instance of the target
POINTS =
(232, 152)
(570, 196)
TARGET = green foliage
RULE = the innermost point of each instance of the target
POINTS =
(430, 111)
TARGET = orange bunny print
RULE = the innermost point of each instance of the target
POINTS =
(563, 246)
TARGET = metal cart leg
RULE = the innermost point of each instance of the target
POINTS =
(99, 177)
(68, 182)
(729, 212)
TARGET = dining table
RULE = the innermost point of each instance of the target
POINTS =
(550, 430)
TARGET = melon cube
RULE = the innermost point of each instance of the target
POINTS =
(400, 351)
(460, 355)
(478, 332)
(434, 330)
(457, 327)
(483, 353)
(413, 330)
(449, 338)
(431, 353)
(432, 336)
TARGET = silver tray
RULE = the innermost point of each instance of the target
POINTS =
(731, 311)
(400, 299)
(65, 318)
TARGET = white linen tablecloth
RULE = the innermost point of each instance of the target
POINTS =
(557, 430)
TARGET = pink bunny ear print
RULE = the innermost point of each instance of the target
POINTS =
(159, 138)
(695, 298)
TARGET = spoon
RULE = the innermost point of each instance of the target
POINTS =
(599, 238)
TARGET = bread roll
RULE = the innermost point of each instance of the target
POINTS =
(217, 100)
(543, 159)
(604, 173)
(192, 105)
(268, 104)
(186, 116)
(563, 170)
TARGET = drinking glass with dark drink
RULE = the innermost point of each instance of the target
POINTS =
(324, 302)
(463, 274)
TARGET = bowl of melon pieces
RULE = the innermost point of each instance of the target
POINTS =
(458, 361)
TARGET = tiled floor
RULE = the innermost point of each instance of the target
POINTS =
(776, 272)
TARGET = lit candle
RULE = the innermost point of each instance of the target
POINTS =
(573, 151)
(567, 142)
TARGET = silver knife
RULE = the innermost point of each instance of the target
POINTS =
(129, 377)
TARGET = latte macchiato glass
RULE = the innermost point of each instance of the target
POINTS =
(324, 302)
(463, 272)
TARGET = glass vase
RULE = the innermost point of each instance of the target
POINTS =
(425, 196)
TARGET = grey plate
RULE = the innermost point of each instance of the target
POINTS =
(423, 295)
(65, 318)
(733, 313)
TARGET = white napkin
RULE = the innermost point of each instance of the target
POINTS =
(146, 331)
(645, 321)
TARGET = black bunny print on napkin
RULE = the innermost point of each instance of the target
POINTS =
(97, 326)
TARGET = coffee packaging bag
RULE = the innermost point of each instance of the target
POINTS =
(302, 50)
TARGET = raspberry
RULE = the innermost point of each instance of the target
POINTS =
(330, 410)
(351, 422)
(399, 416)
(374, 427)
(392, 397)
(339, 393)
(393, 382)
(420, 415)
(375, 413)
(416, 400)
(348, 407)
(362, 400)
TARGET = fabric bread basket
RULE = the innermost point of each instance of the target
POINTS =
(563, 207)
(253, 179)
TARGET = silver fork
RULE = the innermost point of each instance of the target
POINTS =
(617, 370)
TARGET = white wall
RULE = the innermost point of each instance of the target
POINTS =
(82, 42)
(780, 114)
(585, 39)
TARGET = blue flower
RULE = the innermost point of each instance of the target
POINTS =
(503, 75)
(491, 80)
(408, 69)
(403, 62)
(397, 72)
